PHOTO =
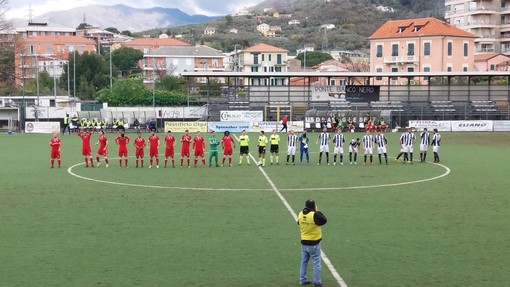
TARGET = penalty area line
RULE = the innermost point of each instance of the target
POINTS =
(325, 258)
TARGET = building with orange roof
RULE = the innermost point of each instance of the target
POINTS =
(420, 45)
(263, 58)
(147, 45)
(48, 53)
(492, 62)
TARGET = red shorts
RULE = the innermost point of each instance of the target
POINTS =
(55, 154)
(123, 152)
(228, 151)
(169, 152)
(199, 152)
(185, 152)
(102, 151)
(154, 152)
(85, 151)
(139, 153)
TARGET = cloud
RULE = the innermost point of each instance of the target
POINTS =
(20, 8)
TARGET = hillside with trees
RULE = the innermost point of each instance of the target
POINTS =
(353, 20)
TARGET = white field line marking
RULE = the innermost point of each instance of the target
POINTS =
(325, 258)
(447, 172)
(70, 171)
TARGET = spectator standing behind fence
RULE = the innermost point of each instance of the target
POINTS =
(284, 123)
(310, 220)
(153, 125)
(66, 124)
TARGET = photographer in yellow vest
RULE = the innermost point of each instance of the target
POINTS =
(310, 221)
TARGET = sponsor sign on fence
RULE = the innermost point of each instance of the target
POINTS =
(443, 126)
(345, 93)
(41, 127)
(472, 126)
(180, 127)
(269, 126)
(229, 126)
(241, 116)
(502, 126)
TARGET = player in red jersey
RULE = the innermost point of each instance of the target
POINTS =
(169, 150)
(227, 142)
(199, 148)
(154, 148)
(122, 141)
(139, 144)
(103, 148)
(186, 141)
(55, 144)
(86, 151)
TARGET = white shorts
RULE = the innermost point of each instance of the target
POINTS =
(291, 150)
(381, 150)
(402, 148)
(408, 148)
(324, 148)
(424, 147)
(435, 148)
(339, 149)
(368, 150)
(353, 150)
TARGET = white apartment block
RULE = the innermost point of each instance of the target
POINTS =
(488, 19)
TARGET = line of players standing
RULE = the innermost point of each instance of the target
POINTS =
(368, 143)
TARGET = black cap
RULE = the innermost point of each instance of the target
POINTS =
(310, 203)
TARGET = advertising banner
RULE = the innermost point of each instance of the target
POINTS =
(345, 93)
(241, 116)
(502, 126)
(228, 126)
(41, 127)
(442, 126)
(255, 127)
(180, 127)
(472, 126)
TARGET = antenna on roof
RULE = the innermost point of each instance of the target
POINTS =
(30, 20)
(84, 18)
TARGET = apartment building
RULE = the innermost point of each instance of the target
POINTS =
(489, 20)
(48, 53)
(42, 29)
(425, 44)
(263, 58)
(175, 60)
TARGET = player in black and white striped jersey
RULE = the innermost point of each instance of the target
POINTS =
(338, 140)
(401, 143)
(382, 142)
(353, 149)
(424, 144)
(436, 142)
(292, 140)
(409, 140)
(368, 148)
(323, 141)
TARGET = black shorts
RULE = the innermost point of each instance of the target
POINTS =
(262, 149)
(244, 150)
(274, 148)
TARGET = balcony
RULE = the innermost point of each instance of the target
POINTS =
(480, 23)
(485, 50)
(402, 59)
(482, 10)
(486, 38)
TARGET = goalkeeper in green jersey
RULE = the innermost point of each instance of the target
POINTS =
(213, 148)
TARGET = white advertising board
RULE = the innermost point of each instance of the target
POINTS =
(442, 126)
(502, 126)
(472, 126)
(241, 116)
(228, 126)
(269, 126)
(41, 127)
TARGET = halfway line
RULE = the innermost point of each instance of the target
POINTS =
(325, 258)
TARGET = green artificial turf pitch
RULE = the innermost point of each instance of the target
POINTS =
(227, 227)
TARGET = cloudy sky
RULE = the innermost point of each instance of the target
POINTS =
(20, 8)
